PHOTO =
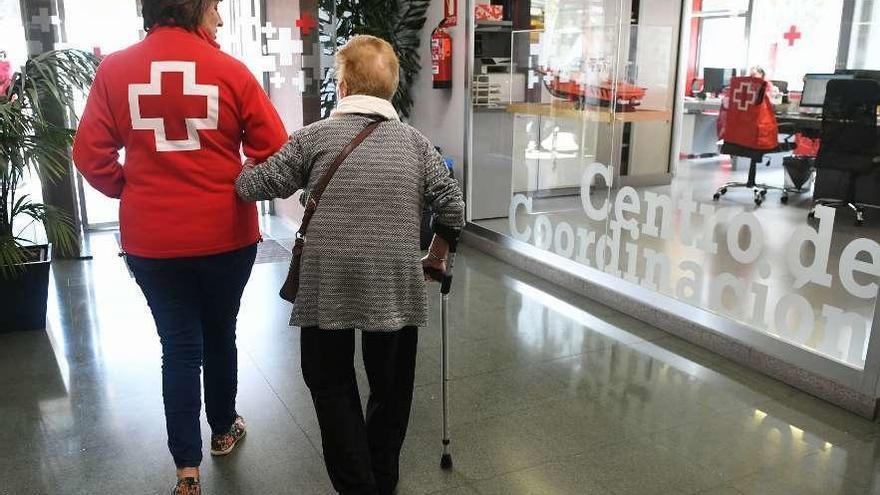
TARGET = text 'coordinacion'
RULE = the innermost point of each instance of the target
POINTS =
(794, 318)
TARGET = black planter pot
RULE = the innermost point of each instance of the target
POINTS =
(23, 298)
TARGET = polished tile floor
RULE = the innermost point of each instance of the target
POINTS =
(552, 394)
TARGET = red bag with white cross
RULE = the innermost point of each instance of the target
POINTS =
(746, 117)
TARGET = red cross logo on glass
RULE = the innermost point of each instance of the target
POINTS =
(745, 96)
(305, 24)
(44, 21)
(792, 35)
(173, 106)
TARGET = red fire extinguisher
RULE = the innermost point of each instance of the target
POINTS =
(441, 57)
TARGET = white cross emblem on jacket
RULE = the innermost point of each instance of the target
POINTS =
(190, 88)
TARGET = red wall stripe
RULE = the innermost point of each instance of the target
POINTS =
(694, 49)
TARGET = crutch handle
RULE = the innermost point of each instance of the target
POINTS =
(434, 274)
(445, 278)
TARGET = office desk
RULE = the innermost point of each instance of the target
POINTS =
(567, 110)
(807, 124)
(699, 128)
(637, 142)
(696, 105)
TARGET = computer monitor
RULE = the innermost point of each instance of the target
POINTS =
(715, 79)
(814, 88)
(860, 73)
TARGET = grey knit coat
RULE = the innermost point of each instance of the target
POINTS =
(361, 265)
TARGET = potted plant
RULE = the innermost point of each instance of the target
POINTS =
(398, 22)
(34, 145)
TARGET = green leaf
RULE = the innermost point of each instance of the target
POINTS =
(35, 139)
(400, 22)
(11, 257)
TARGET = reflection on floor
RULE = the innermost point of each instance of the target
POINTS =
(552, 394)
(778, 222)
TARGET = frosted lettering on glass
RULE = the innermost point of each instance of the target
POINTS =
(710, 232)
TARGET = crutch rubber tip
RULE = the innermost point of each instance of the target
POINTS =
(446, 462)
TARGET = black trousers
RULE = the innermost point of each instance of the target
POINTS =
(195, 304)
(362, 453)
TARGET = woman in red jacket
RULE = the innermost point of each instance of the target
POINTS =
(184, 112)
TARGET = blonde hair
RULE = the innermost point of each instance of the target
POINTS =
(368, 66)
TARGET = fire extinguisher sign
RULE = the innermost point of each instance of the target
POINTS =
(436, 55)
(450, 13)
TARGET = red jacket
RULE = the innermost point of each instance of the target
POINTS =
(183, 110)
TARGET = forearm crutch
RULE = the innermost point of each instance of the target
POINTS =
(445, 279)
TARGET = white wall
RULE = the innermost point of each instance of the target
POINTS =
(12, 37)
(819, 23)
(440, 113)
(111, 25)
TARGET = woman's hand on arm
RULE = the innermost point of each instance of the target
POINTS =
(265, 174)
(281, 175)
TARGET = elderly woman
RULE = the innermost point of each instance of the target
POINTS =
(183, 110)
(360, 267)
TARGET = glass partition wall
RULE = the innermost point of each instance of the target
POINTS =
(572, 152)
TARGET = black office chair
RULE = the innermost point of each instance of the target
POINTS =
(757, 156)
(849, 155)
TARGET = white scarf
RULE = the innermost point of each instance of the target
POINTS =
(364, 104)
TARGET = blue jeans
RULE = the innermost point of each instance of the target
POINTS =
(195, 304)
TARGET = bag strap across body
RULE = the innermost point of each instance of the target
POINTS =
(315, 194)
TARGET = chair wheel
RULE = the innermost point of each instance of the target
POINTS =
(763, 192)
(716, 197)
(859, 223)
(446, 462)
(811, 215)
(758, 201)
(723, 190)
(784, 199)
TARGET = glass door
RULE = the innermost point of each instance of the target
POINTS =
(101, 27)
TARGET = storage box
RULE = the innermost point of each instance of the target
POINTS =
(486, 12)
